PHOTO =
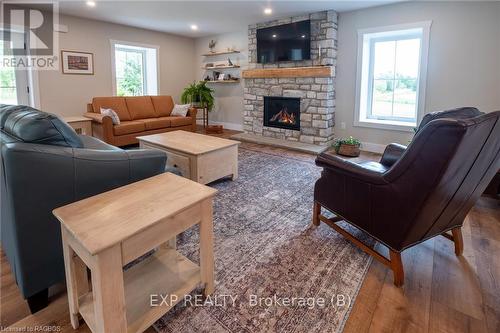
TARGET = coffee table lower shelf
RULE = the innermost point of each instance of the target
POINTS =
(166, 272)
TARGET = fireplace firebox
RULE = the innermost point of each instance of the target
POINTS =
(282, 112)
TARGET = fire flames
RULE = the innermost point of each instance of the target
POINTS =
(284, 117)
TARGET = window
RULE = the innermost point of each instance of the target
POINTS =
(135, 69)
(392, 65)
(14, 83)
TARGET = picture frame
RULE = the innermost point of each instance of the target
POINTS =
(76, 62)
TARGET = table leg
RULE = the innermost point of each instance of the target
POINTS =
(108, 292)
(76, 279)
(206, 247)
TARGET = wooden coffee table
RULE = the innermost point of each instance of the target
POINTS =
(112, 229)
(199, 157)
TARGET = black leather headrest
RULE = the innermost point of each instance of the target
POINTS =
(33, 126)
(458, 113)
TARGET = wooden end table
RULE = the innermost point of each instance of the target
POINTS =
(199, 157)
(81, 125)
(110, 230)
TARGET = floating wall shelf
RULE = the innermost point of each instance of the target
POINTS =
(219, 53)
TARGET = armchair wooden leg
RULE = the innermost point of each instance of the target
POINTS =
(458, 240)
(397, 268)
(316, 212)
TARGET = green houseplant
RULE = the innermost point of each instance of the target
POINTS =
(347, 146)
(198, 94)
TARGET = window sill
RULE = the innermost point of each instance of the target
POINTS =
(386, 125)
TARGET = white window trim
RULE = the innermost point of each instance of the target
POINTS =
(33, 80)
(424, 53)
(113, 42)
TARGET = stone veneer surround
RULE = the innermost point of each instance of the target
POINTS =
(317, 104)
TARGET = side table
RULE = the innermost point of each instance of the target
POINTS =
(112, 229)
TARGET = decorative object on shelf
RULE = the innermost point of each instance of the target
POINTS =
(211, 45)
(216, 76)
(347, 146)
(209, 64)
(207, 78)
(229, 62)
(214, 129)
(221, 77)
(199, 95)
(74, 62)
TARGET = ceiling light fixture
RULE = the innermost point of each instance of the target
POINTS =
(90, 3)
(303, 36)
(274, 36)
(268, 11)
(194, 27)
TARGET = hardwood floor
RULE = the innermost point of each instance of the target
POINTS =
(442, 293)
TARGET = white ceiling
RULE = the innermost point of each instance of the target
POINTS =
(212, 17)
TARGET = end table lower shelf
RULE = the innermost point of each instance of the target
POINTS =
(164, 273)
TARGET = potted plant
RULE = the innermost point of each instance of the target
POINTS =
(347, 146)
(198, 94)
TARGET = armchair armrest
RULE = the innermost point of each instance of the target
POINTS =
(349, 168)
(392, 154)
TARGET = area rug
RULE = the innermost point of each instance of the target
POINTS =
(273, 272)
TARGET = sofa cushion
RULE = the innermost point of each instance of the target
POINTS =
(180, 121)
(156, 123)
(140, 107)
(117, 104)
(163, 105)
(33, 126)
(129, 127)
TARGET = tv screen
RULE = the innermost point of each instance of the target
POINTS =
(288, 42)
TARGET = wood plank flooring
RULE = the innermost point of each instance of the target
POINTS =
(442, 293)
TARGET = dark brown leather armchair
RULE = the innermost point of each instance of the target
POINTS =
(414, 193)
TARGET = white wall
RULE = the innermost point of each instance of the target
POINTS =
(65, 94)
(228, 108)
(464, 59)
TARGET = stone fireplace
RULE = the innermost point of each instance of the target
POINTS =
(309, 84)
(282, 112)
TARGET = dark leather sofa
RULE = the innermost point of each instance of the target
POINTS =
(45, 165)
(413, 193)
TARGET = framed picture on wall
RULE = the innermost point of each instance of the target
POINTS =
(74, 62)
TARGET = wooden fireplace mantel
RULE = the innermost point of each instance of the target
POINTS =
(314, 71)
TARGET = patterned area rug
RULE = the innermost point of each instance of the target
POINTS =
(273, 272)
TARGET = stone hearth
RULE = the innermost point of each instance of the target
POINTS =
(317, 94)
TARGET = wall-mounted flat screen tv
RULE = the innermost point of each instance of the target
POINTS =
(288, 42)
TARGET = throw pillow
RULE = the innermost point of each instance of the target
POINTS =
(180, 110)
(111, 113)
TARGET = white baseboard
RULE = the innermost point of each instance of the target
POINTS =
(231, 126)
(372, 147)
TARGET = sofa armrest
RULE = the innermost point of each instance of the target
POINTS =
(192, 113)
(102, 126)
(392, 154)
(100, 118)
(351, 169)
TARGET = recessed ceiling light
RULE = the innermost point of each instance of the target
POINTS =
(303, 36)
(274, 36)
(90, 3)
(194, 27)
(268, 11)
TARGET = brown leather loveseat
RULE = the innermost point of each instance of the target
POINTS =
(139, 115)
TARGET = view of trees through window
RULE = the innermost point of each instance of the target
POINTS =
(130, 69)
(395, 79)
